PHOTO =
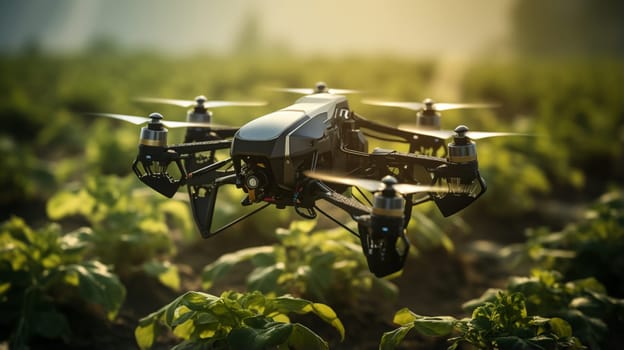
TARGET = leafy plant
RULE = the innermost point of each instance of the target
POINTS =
(236, 321)
(591, 247)
(503, 323)
(40, 272)
(565, 98)
(584, 304)
(428, 229)
(325, 265)
(129, 226)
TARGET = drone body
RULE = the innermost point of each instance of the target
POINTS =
(271, 153)
(314, 150)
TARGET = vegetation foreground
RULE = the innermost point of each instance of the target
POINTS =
(91, 259)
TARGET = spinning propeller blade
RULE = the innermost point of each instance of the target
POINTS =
(427, 104)
(450, 106)
(445, 134)
(320, 87)
(373, 185)
(199, 101)
(306, 91)
(156, 117)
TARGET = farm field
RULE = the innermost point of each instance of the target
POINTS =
(87, 252)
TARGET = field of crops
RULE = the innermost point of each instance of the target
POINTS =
(91, 258)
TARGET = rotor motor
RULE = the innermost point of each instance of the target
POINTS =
(462, 149)
(154, 134)
(152, 161)
(428, 117)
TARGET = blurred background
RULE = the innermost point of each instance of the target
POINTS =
(320, 28)
(556, 68)
(553, 68)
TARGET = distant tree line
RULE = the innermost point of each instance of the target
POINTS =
(569, 27)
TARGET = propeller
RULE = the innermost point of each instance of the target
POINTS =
(374, 185)
(157, 118)
(461, 131)
(200, 101)
(427, 105)
(320, 87)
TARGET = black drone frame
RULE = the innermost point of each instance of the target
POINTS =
(380, 230)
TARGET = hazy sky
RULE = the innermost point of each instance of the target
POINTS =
(331, 27)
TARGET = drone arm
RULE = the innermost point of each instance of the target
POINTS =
(413, 138)
(408, 136)
(204, 146)
(209, 173)
(382, 236)
(371, 125)
(348, 204)
(394, 158)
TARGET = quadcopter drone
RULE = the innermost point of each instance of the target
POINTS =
(317, 149)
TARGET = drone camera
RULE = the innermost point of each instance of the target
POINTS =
(254, 178)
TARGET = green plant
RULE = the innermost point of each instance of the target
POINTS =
(42, 272)
(503, 323)
(236, 321)
(428, 229)
(324, 265)
(591, 247)
(129, 224)
(584, 304)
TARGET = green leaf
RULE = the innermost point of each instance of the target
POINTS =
(512, 342)
(185, 329)
(560, 327)
(302, 338)
(264, 258)
(264, 279)
(404, 316)
(145, 335)
(98, 285)
(260, 333)
(435, 326)
(303, 226)
(166, 272)
(286, 304)
(179, 212)
(65, 204)
(197, 301)
(328, 315)
(222, 266)
(76, 241)
(390, 340)
(320, 274)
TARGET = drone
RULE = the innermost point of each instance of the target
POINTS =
(316, 150)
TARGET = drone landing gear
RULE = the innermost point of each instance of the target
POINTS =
(204, 197)
(306, 213)
(203, 204)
